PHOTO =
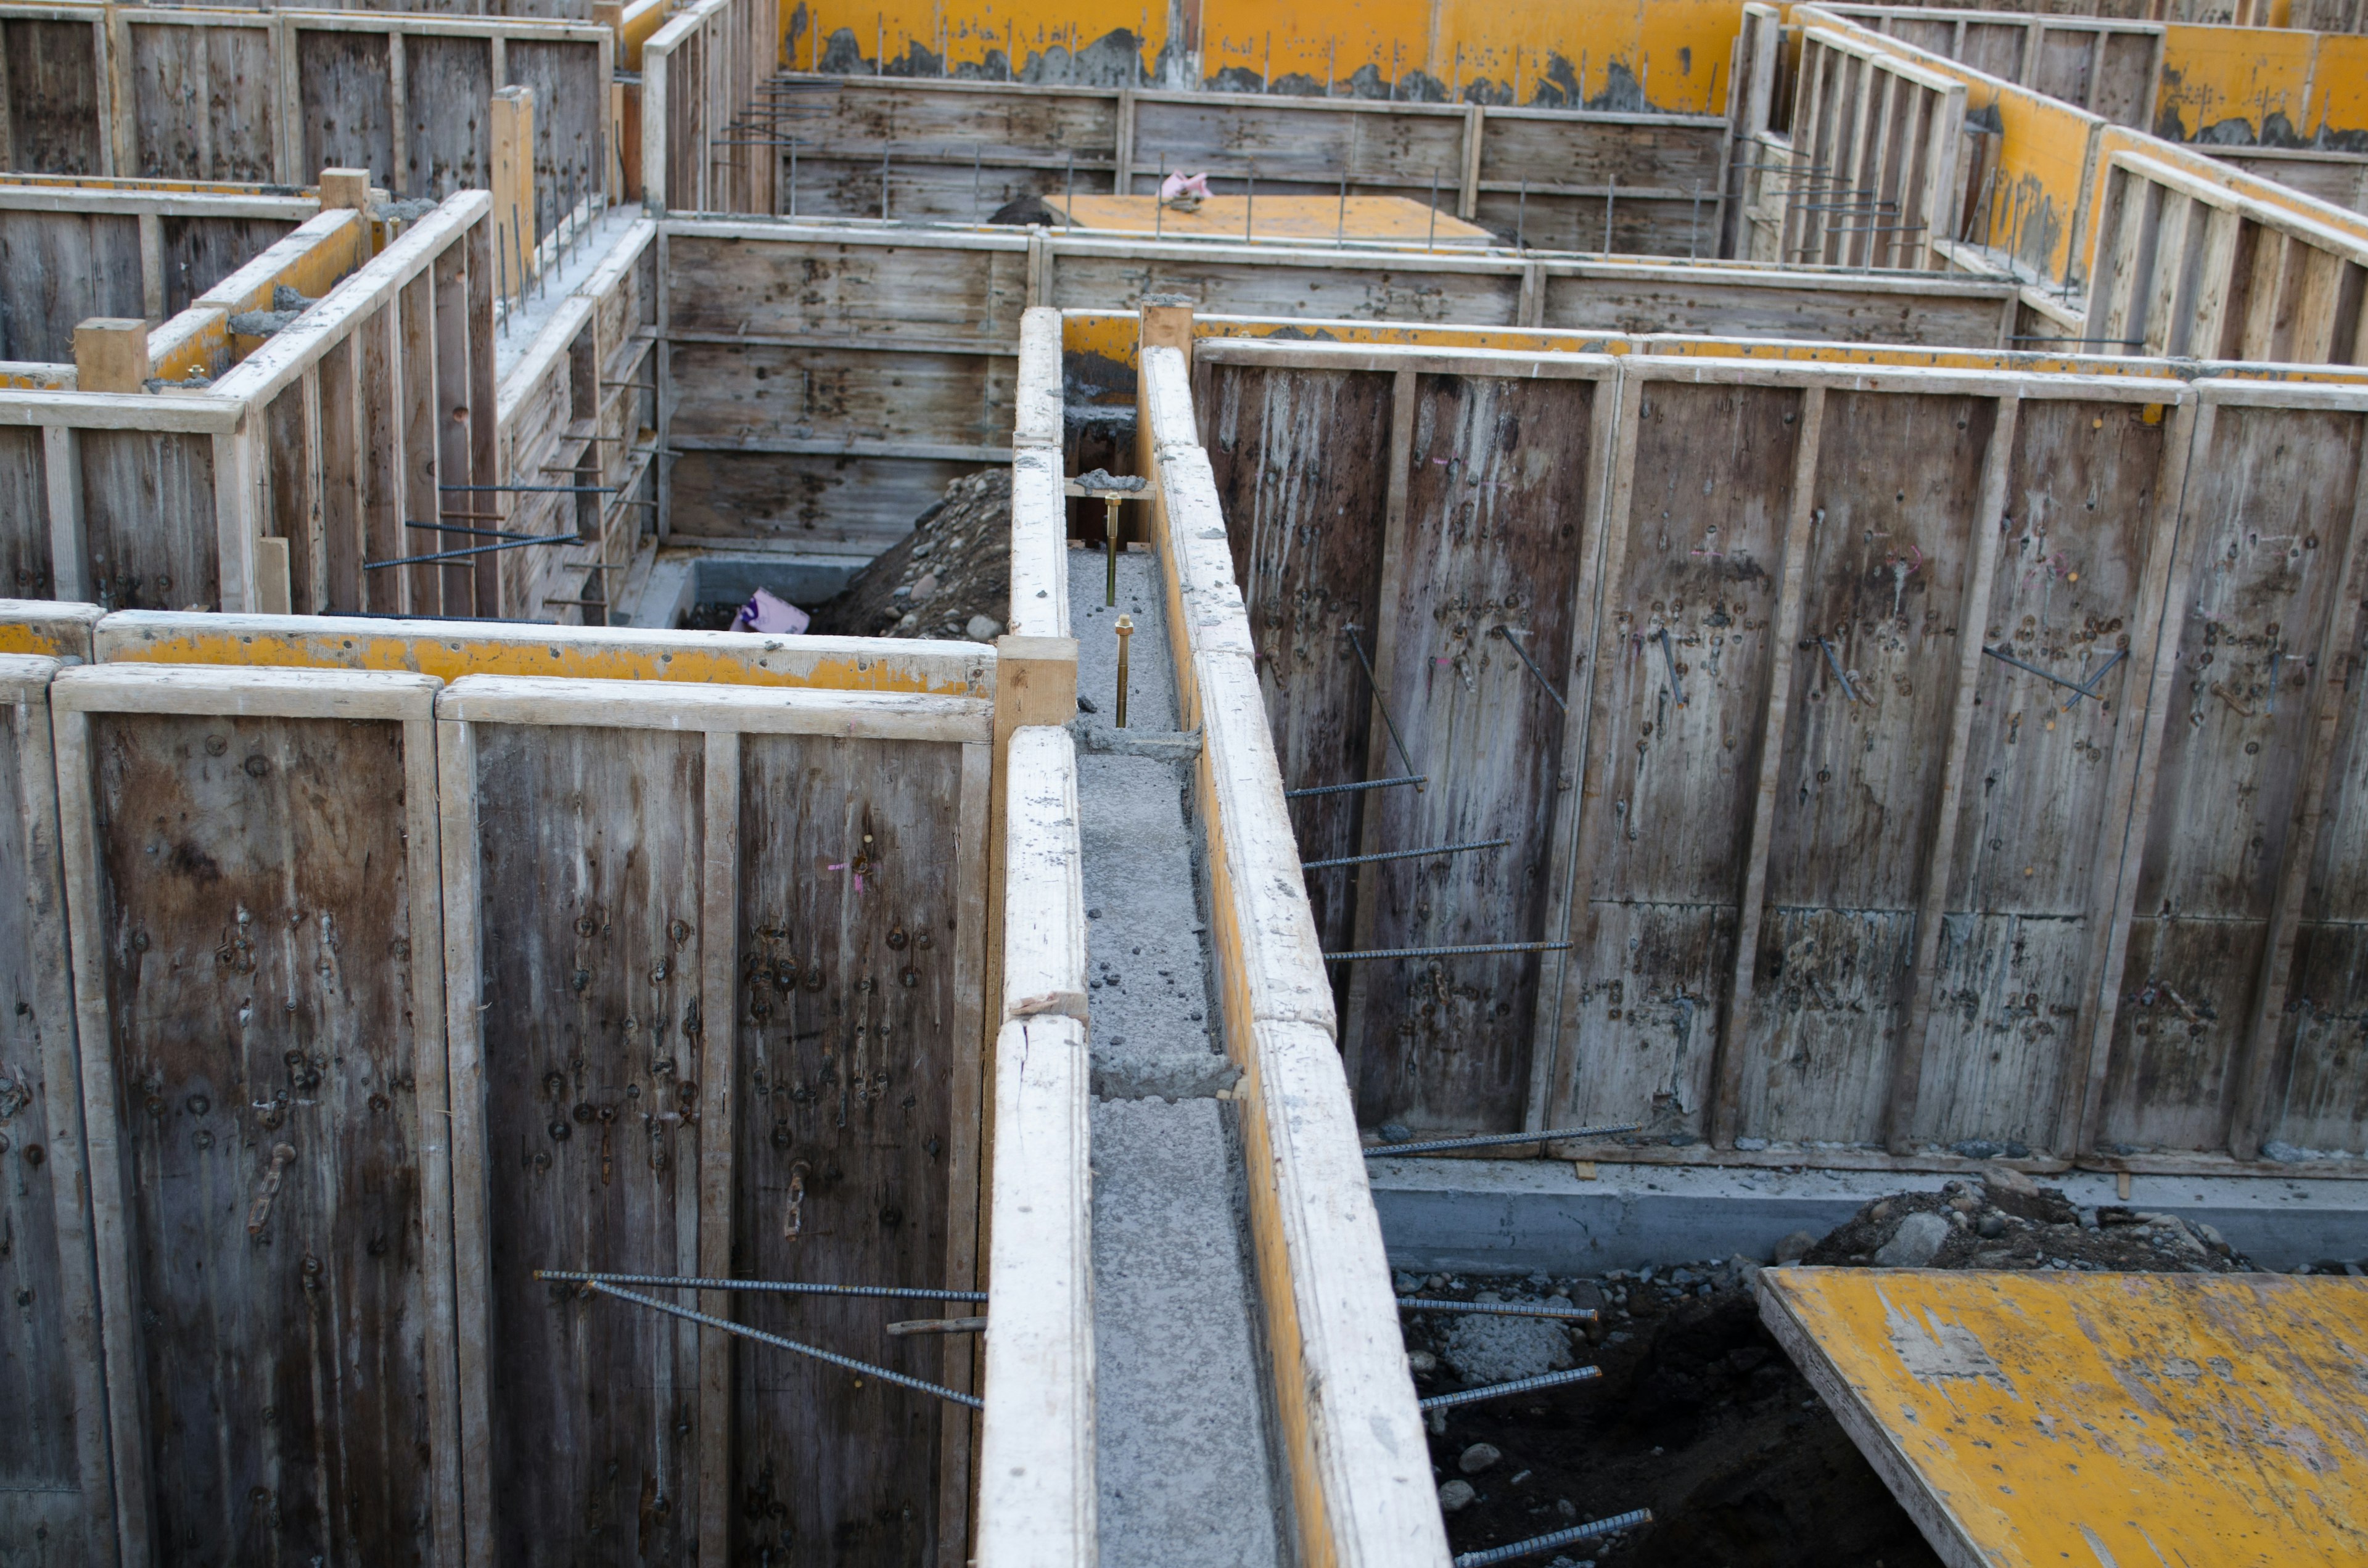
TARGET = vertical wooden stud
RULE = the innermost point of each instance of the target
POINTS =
(719, 943)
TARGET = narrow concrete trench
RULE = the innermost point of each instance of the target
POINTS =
(1186, 1477)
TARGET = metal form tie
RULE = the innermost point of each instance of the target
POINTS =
(1836, 665)
(1669, 660)
(786, 1287)
(1519, 1385)
(1499, 1308)
(1404, 854)
(2079, 689)
(1382, 701)
(1538, 1545)
(1416, 780)
(534, 489)
(862, 1369)
(518, 544)
(1498, 1140)
(1447, 952)
(1544, 685)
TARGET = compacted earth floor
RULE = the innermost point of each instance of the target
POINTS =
(1698, 1415)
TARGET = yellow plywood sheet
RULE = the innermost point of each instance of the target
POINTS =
(1389, 219)
(2100, 1420)
(2340, 85)
(2252, 75)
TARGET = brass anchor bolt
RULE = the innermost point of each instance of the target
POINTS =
(1111, 596)
(1125, 635)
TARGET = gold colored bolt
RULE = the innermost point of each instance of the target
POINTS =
(1111, 599)
(1125, 636)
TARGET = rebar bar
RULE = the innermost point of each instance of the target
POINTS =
(1519, 1385)
(1381, 701)
(1836, 665)
(779, 1287)
(861, 1369)
(457, 529)
(535, 489)
(1417, 781)
(1539, 1544)
(1373, 953)
(519, 542)
(1500, 1139)
(1669, 662)
(1406, 854)
(939, 1325)
(1544, 685)
(1498, 1309)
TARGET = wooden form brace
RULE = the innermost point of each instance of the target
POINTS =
(837, 848)
(2108, 66)
(1875, 178)
(59, 1489)
(217, 95)
(279, 1207)
(1037, 1498)
(706, 124)
(1350, 1434)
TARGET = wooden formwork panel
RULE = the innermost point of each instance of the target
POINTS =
(250, 870)
(716, 1010)
(54, 1485)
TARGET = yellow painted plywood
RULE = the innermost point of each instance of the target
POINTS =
(2101, 1420)
(2254, 76)
(2339, 85)
(1392, 219)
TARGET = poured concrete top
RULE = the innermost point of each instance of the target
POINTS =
(2101, 1420)
(1390, 219)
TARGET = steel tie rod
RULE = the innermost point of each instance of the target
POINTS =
(1519, 1385)
(1539, 1544)
(1382, 701)
(1498, 1309)
(513, 543)
(863, 1368)
(2086, 687)
(1835, 664)
(1494, 1139)
(537, 489)
(790, 1287)
(1416, 780)
(1404, 854)
(1373, 953)
(1543, 684)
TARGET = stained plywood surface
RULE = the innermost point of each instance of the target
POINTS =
(1394, 219)
(2043, 1419)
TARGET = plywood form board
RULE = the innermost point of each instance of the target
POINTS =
(2237, 902)
(704, 148)
(2104, 65)
(740, 1030)
(262, 97)
(54, 1481)
(249, 860)
(57, 269)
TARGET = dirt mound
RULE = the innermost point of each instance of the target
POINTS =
(2007, 1220)
(952, 570)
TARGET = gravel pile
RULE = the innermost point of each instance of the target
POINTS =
(2007, 1220)
(949, 577)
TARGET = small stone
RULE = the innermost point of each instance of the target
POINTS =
(1914, 1244)
(1565, 1508)
(1421, 1361)
(982, 628)
(1093, 915)
(1751, 1145)
(1396, 1133)
(1086, 704)
(1991, 1224)
(1405, 1284)
(909, 622)
(2284, 1153)
(1477, 1458)
(1979, 1148)
(925, 586)
(1746, 1271)
(1794, 1247)
(1455, 1495)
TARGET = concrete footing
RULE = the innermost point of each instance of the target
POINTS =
(1512, 1217)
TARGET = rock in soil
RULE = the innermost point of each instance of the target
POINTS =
(1699, 1415)
(949, 577)
(1484, 1349)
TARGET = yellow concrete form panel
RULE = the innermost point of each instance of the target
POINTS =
(721, 658)
(1327, 40)
(2338, 98)
(2031, 208)
(2258, 77)
(982, 35)
(1393, 219)
(49, 628)
(2100, 1419)
(1672, 55)
(636, 27)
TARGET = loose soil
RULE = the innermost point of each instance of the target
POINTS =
(1700, 1416)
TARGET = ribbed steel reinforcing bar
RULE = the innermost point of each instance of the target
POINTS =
(1406, 854)
(1499, 1309)
(1417, 779)
(1519, 1385)
(863, 1368)
(1542, 1543)
(790, 1287)
(1447, 952)
(1492, 1139)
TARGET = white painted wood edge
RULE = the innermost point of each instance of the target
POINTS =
(1037, 1505)
(237, 291)
(1199, 556)
(1167, 398)
(852, 230)
(1370, 1456)
(2245, 393)
(2319, 223)
(1037, 420)
(531, 375)
(1910, 379)
(177, 413)
(1572, 364)
(1039, 544)
(52, 616)
(667, 705)
(1045, 888)
(140, 199)
(249, 691)
(26, 676)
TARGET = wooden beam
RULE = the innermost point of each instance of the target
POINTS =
(111, 354)
(1727, 1067)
